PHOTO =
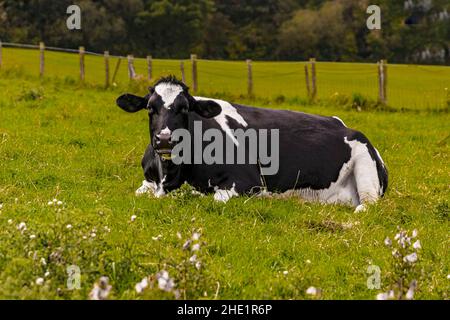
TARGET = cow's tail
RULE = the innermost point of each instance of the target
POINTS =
(381, 169)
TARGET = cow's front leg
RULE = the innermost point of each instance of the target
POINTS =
(147, 187)
(223, 195)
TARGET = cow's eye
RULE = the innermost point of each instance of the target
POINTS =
(181, 104)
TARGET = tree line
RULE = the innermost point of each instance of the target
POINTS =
(412, 31)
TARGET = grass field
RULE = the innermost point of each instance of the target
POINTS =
(63, 141)
(409, 86)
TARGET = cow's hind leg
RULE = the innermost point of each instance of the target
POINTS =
(366, 178)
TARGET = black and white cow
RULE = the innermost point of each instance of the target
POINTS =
(320, 159)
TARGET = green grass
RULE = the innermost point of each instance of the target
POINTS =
(409, 86)
(69, 142)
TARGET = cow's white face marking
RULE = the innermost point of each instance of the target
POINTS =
(168, 93)
(223, 195)
(166, 130)
(340, 120)
(227, 111)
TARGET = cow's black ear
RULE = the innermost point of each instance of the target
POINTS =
(131, 103)
(206, 108)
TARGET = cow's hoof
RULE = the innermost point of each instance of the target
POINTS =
(360, 208)
(223, 195)
(147, 187)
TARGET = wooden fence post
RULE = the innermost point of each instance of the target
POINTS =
(194, 72)
(106, 55)
(249, 78)
(41, 59)
(308, 89)
(113, 81)
(81, 51)
(149, 68)
(385, 80)
(382, 81)
(313, 78)
(1, 56)
(183, 75)
(131, 72)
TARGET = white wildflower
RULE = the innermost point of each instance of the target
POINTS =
(410, 294)
(43, 262)
(165, 283)
(101, 289)
(417, 245)
(69, 226)
(33, 236)
(46, 274)
(40, 281)
(308, 261)
(415, 233)
(140, 286)
(196, 247)
(179, 235)
(50, 203)
(285, 272)
(411, 258)
(382, 296)
(388, 242)
(133, 217)
(391, 294)
(22, 227)
(198, 265)
(193, 258)
(396, 254)
(59, 203)
(93, 235)
(1, 206)
(10, 221)
(312, 291)
(187, 244)
(196, 236)
(157, 237)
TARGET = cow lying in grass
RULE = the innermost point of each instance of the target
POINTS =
(203, 142)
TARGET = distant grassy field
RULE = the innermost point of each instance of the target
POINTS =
(63, 141)
(409, 86)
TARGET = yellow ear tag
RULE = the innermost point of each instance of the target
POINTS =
(166, 156)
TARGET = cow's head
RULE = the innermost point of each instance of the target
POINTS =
(168, 104)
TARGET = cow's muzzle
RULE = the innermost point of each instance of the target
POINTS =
(164, 145)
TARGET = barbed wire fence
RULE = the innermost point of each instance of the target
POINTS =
(311, 80)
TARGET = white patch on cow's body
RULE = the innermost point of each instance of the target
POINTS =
(147, 186)
(227, 111)
(379, 157)
(223, 195)
(166, 130)
(168, 92)
(340, 120)
(160, 189)
(365, 172)
(357, 183)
